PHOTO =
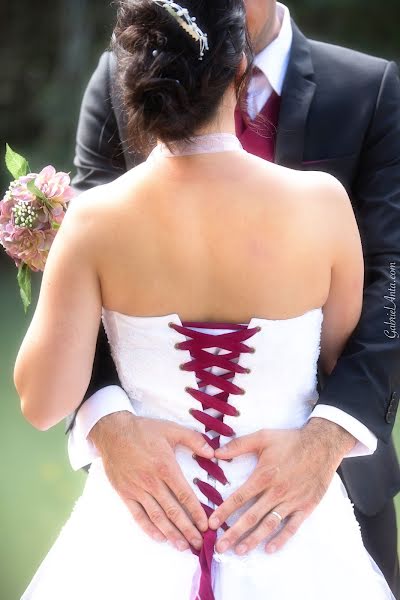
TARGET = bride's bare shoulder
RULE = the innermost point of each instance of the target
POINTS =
(107, 199)
(303, 188)
(97, 215)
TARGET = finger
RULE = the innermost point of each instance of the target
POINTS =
(177, 515)
(193, 440)
(269, 524)
(141, 518)
(187, 498)
(158, 517)
(169, 473)
(250, 489)
(255, 522)
(241, 445)
(289, 529)
(250, 521)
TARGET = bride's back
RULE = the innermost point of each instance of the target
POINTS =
(222, 236)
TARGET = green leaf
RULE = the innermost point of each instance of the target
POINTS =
(25, 287)
(36, 192)
(55, 225)
(15, 163)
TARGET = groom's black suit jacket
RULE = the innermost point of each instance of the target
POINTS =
(340, 113)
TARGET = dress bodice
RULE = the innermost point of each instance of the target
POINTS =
(281, 388)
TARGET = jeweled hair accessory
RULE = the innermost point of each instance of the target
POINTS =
(188, 23)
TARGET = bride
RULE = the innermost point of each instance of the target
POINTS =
(221, 279)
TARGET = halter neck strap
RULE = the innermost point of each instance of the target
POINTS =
(200, 144)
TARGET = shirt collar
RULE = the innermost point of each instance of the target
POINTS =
(273, 60)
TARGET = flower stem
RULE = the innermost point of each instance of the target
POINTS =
(25, 287)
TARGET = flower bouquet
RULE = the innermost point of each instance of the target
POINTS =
(31, 213)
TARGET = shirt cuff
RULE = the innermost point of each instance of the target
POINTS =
(366, 440)
(108, 400)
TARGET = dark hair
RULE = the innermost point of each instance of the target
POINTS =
(167, 92)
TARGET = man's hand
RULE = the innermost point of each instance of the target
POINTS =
(293, 473)
(139, 460)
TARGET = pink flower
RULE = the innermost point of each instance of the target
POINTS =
(55, 186)
(29, 246)
(28, 224)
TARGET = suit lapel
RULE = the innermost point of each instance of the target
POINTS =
(297, 95)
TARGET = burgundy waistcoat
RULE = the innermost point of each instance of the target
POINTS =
(259, 136)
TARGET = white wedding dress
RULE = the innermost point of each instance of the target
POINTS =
(101, 554)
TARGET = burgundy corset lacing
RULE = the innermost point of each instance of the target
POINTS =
(233, 342)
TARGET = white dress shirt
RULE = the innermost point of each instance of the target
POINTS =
(272, 63)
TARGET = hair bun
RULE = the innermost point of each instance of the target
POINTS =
(167, 92)
(161, 104)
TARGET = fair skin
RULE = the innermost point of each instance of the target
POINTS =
(262, 22)
(300, 236)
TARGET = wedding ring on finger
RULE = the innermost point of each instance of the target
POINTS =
(277, 515)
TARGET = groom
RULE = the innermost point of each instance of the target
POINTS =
(329, 109)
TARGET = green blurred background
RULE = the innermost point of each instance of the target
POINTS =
(49, 50)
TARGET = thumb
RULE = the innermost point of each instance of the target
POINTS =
(195, 441)
(240, 445)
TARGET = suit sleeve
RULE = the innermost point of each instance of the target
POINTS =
(99, 159)
(366, 380)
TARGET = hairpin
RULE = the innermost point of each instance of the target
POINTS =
(188, 23)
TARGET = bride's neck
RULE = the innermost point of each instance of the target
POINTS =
(224, 121)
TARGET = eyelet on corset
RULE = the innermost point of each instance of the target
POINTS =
(195, 481)
(242, 391)
(171, 324)
(190, 411)
(252, 349)
(182, 367)
(247, 370)
(178, 346)
(237, 413)
(258, 328)
(187, 388)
